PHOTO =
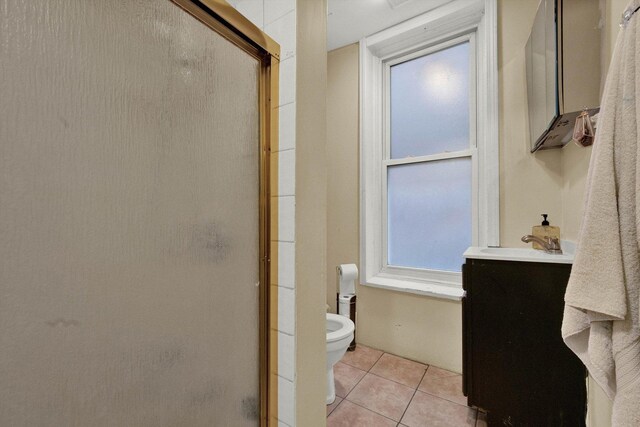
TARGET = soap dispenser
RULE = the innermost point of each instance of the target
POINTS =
(544, 231)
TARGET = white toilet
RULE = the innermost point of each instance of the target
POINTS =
(339, 336)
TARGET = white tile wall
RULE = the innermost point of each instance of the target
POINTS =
(287, 172)
(288, 81)
(287, 127)
(278, 19)
(283, 31)
(286, 218)
(252, 10)
(286, 266)
(285, 361)
(286, 318)
(274, 9)
(285, 401)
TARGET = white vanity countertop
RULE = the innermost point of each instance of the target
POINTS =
(523, 254)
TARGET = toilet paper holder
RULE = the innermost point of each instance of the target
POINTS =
(346, 296)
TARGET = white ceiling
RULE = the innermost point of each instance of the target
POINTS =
(350, 20)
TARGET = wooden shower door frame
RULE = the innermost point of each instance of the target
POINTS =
(229, 23)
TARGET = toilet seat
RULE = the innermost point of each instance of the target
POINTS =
(338, 327)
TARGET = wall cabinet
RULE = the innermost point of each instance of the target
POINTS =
(515, 363)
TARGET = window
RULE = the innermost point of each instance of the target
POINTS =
(429, 168)
(428, 162)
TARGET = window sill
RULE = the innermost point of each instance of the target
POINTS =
(426, 288)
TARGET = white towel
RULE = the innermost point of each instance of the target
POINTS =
(601, 314)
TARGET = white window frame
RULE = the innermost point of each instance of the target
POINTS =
(453, 23)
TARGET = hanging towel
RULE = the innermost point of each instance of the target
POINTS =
(601, 302)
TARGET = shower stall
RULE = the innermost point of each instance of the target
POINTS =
(134, 214)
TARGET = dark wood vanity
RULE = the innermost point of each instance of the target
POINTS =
(515, 364)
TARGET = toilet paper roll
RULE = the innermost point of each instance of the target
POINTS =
(347, 275)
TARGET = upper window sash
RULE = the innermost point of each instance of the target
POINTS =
(425, 50)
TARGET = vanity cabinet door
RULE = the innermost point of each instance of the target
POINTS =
(516, 365)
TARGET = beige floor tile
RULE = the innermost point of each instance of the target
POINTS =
(400, 370)
(482, 419)
(351, 415)
(382, 396)
(362, 357)
(346, 377)
(427, 410)
(444, 384)
(332, 407)
(439, 372)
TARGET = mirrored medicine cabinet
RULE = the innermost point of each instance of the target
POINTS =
(562, 68)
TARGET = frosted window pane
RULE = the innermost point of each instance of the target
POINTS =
(129, 218)
(429, 214)
(430, 103)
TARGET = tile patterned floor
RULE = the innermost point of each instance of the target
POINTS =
(374, 389)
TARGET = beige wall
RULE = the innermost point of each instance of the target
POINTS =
(553, 182)
(343, 168)
(420, 328)
(529, 183)
(311, 213)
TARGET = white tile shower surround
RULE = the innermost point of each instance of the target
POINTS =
(286, 172)
(274, 9)
(287, 127)
(286, 361)
(278, 19)
(251, 9)
(286, 217)
(288, 76)
(286, 303)
(283, 30)
(286, 267)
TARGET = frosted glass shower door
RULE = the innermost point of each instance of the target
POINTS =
(129, 218)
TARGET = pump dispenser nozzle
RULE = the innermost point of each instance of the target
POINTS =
(544, 221)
